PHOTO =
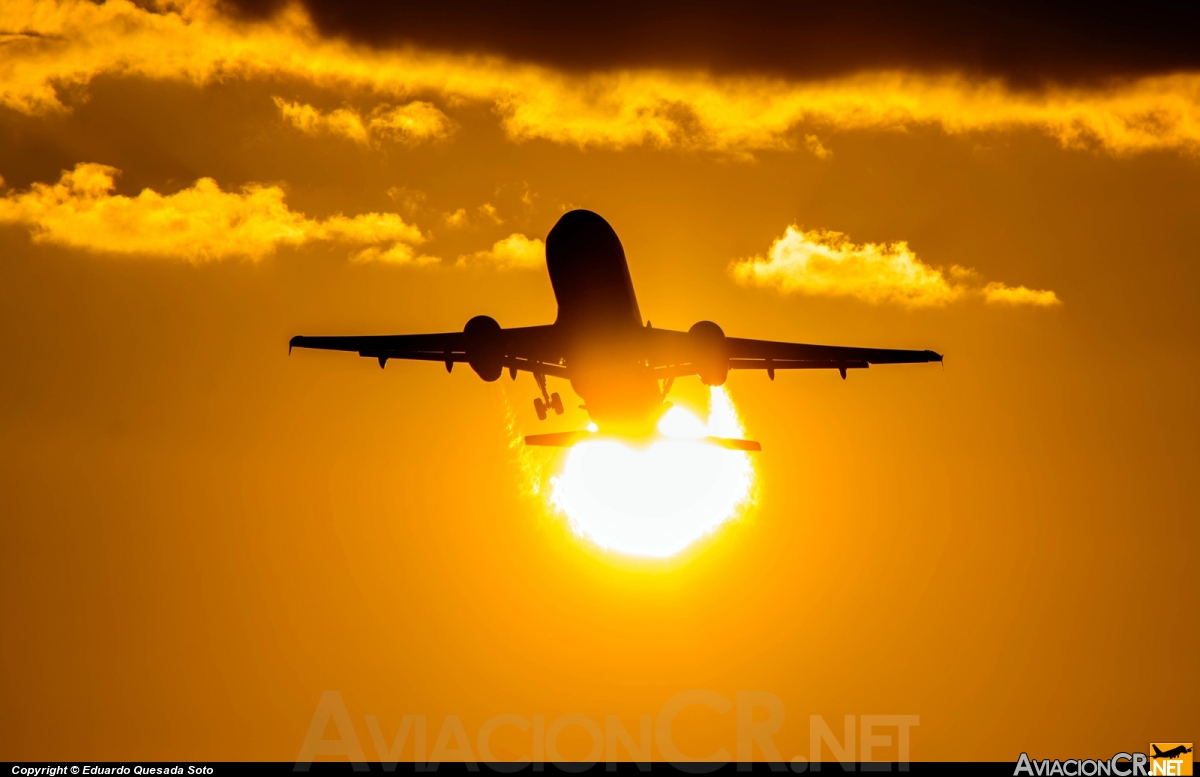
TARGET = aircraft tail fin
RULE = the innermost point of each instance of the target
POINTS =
(1157, 752)
(567, 439)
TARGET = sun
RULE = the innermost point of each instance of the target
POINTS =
(655, 501)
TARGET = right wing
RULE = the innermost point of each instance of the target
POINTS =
(530, 348)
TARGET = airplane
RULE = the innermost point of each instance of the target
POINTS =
(600, 344)
(1174, 752)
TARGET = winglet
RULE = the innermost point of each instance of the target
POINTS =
(297, 340)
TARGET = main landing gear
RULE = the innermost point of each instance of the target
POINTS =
(554, 404)
(546, 401)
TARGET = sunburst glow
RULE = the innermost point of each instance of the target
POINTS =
(656, 500)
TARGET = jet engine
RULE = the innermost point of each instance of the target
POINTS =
(485, 349)
(709, 354)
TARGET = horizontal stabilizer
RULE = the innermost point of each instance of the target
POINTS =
(732, 443)
(557, 439)
(567, 439)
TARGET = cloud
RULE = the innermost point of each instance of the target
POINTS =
(410, 124)
(821, 262)
(1008, 295)
(515, 252)
(68, 44)
(814, 145)
(459, 218)
(344, 122)
(488, 211)
(411, 201)
(398, 253)
(198, 224)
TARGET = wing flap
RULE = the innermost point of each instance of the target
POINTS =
(772, 364)
(379, 345)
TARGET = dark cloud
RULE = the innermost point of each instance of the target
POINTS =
(1025, 42)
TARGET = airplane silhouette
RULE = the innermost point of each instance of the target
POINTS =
(1174, 752)
(599, 343)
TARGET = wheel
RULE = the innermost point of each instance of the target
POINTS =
(540, 407)
(556, 403)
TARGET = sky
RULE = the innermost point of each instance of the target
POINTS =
(202, 535)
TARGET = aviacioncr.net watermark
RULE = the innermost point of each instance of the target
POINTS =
(754, 717)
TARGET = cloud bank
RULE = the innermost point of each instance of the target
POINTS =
(58, 45)
(826, 263)
(1023, 41)
(199, 224)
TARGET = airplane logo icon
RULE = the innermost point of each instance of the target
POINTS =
(1171, 759)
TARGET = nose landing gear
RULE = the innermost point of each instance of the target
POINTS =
(547, 401)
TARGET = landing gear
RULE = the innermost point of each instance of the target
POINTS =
(542, 408)
(547, 401)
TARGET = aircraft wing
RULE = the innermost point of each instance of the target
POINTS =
(531, 348)
(745, 354)
(675, 354)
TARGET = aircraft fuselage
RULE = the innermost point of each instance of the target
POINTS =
(600, 325)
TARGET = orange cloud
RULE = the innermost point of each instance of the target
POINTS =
(344, 122)
(822, 262)
(71, 42)
(457, 219)
(813, 144)
(1019, 295)
(198, 224)
(411, 124)
(515, 252)
(488, 211)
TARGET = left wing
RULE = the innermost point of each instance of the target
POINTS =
(675, 354)
(745, 354)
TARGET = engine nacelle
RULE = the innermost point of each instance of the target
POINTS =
(709, 353)
(485, 349)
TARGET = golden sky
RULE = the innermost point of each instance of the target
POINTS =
(201, 534)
